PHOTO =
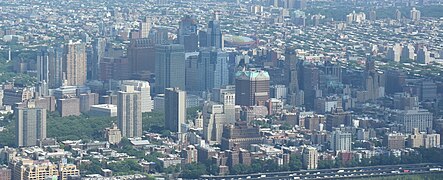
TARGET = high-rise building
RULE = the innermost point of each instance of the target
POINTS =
(129, 112)
(68, 107)
(341, 141)
(394, 53)
(175, 109)
(145, 27)
(141, 57)
(415, 118)
(407, 53)
(145, 93)
(415, 14)
(213, 121)
(251, 87)
(300, 4)
(187, 34)
(310, 158)
(423, 55)
(310, 76)
(170, 63)
(30, 125)
(212, 37)
(50, 66)
(215, 64)
(98, 50)
(74, 64)
(374, 81)
(194, 72)
(398, 15)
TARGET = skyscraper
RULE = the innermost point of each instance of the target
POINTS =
(175, 109)
(74, 64)
(187, 34)
(141, 57)
(415, 14)
(98, 50)
(251, 87)
(145, 27)
(212, 37)
(145, 93)
(30, 125)
(169, 70)
(50, 66)
(129, 112)
(215, 64)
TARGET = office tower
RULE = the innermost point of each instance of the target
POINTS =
(341, 141)
(74, 64)
(169, 70)
(129, 112)
(291, 72)
(407, 53)
(30, 125)
(115, 68)
(194, 72)
(423, 55)
(145, 93)
(27, 169)
(98, 53)
(214, 119)
(141, 57)
(175, 109)
(251, 87)
(310, 76)
(415, 14)
(398, 15)
(213, 36)
(395, 81)
(159, 35)
(187, 34)
(240, 135)
(215, 64)
(310, 158)
(68, 107)
(415, 118)
(113, 134)
(374, 81)
(145, 27)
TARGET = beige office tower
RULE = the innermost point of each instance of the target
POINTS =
(175, 109)
(214, 119)
(145, 90)
(310, 158)
(26, 169)
(145, 27)
(30, 125)
(129, 112)
(74, 64)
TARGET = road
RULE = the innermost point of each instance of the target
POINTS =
(341, 173)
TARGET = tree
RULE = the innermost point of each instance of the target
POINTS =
(193, 171)
(295, 163)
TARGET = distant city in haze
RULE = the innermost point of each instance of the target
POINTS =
(221, 89)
